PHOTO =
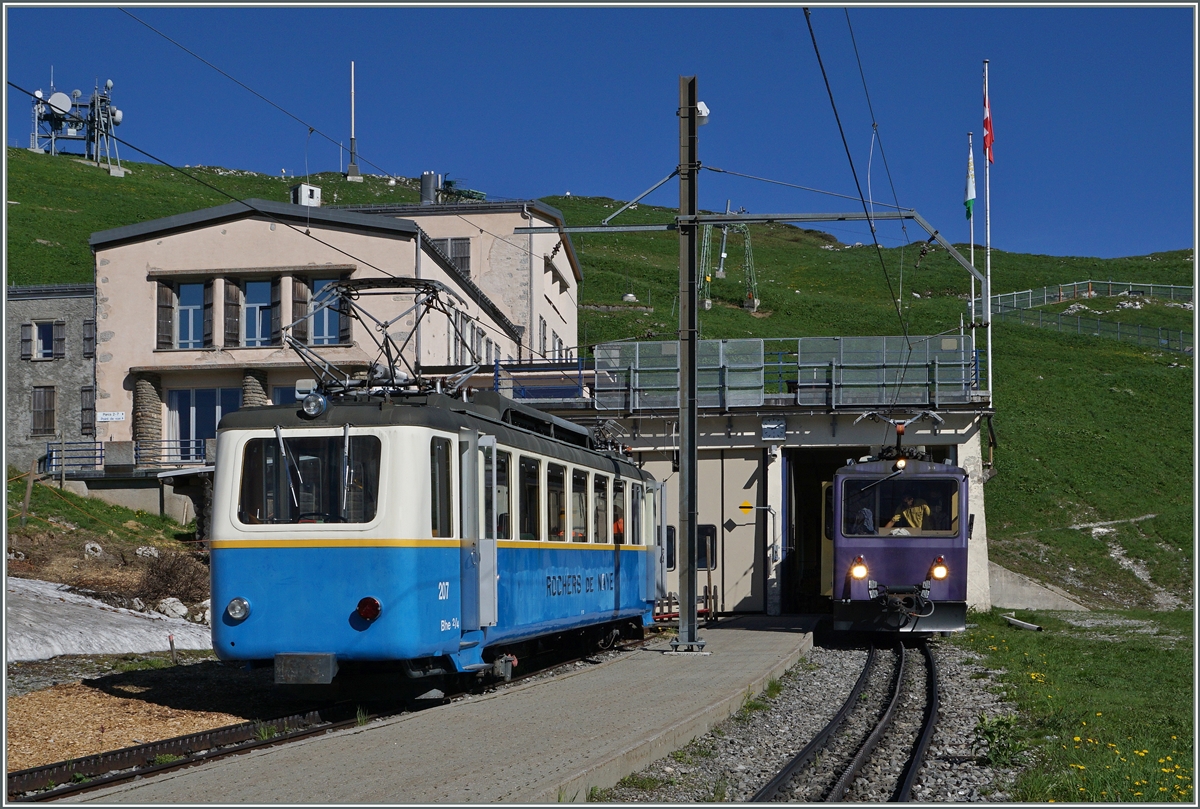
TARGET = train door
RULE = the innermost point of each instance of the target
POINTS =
(479, 481)
(806, 570)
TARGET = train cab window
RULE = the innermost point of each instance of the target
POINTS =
(618, 505)
(635, 515)
(309, 479)
(440, 505)
(600, 509)
(670, 547)
(706, 547)
(530, 497)
(556, 501)
(899, 508)
(497, 500)
(579, 511)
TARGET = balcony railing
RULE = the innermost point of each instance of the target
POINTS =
(170, 452)
(74, 455)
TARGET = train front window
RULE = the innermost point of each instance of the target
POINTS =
(309, 479)
(899, 507)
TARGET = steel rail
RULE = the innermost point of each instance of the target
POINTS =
(903, 790)
(768, 792)
(843, 784)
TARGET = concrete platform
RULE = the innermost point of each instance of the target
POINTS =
(541, 742)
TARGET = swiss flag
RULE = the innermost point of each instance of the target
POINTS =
(988, 137)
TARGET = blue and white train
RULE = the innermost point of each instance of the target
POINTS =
(434, 534)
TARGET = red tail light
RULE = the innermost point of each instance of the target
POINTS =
(369, 608)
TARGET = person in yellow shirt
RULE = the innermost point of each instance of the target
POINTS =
(914, 512)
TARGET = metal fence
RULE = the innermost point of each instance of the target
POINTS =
(169, 452)
(561, 379)
(1031, 298)
(818, 371)
(1149, 336)
(74, 455)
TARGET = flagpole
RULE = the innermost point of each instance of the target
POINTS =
(971, 219)
(987, 191)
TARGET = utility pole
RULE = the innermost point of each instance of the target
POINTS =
(689, 168)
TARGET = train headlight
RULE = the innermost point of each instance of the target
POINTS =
(369, 608)
(859, 569)
(238, 609)
(939, 570)
(900, 464)
(314, 405)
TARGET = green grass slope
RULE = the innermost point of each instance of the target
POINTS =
(1089, 430)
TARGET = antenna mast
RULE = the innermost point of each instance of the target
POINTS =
(352, 170)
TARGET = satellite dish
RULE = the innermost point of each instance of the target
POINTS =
(108, 84)
(76, 94)
(60, 103)
(117, 115)
(37, 94)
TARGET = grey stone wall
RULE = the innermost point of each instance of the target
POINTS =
(254, 388)
(68, 375)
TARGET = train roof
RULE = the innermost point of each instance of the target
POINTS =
(513, 423)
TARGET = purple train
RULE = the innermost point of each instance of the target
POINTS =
(900, 527)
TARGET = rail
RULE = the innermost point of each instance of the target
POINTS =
(74, 455)
(170, 452)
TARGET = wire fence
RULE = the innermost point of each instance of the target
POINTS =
(1015, 307)
(1148, 336)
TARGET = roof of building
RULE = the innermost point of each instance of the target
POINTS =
(532, 206)
(304, 215)
(44, 291)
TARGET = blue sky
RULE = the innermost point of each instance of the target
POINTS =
(1094, 108)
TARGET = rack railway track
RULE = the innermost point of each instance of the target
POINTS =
(841, 753)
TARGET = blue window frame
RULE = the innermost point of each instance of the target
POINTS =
(258, 313)
(191, 316)
(326, 324)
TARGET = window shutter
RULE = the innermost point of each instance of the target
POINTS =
(87, 415)
(300, 309)
(26, 341)
(233, 313)
(43, 411)
(60, 339)
(166, 316)
(442, 246)
(344, 320)
(208, 312)
(276, 312)
(89, 339)
(460, 255)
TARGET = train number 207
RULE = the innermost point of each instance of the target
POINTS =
(443, 591)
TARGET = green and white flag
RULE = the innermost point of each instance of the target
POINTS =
(970, 198)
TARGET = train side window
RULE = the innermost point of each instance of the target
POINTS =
(497, 500)
(600, 509)
(556, 501)
(530, 484)
(635, 515)
(670, 547)
(706, 547)
(440, 506)
(310, 479)
(618, 505)
(579, 512)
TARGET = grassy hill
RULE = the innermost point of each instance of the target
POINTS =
(1089, 430)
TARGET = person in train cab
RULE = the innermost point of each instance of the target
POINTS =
(939, 520)
(864, 522)
(913, 510)
(619, 531)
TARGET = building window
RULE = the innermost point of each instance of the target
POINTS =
(87, 410)
(191, 316)
(458, 251)
(43, 410)
(326, 323)
(89, 339)
(258, 313)
(706, 547)
(542, 336)
(192, 418)
(282, 395)
(44, 340)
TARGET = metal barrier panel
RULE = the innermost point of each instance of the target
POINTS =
(74, 455)
(875, 371)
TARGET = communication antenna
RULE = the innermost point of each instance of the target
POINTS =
(352, 170)
(750, 300)
(65, 117)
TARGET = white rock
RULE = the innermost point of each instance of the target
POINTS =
(147, 552)
(172, 608)
(93, 550)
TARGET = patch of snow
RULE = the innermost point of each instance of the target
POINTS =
(43, 620)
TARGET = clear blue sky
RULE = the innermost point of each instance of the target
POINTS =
(1094, 109)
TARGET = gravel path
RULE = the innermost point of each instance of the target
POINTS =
(734, 760)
